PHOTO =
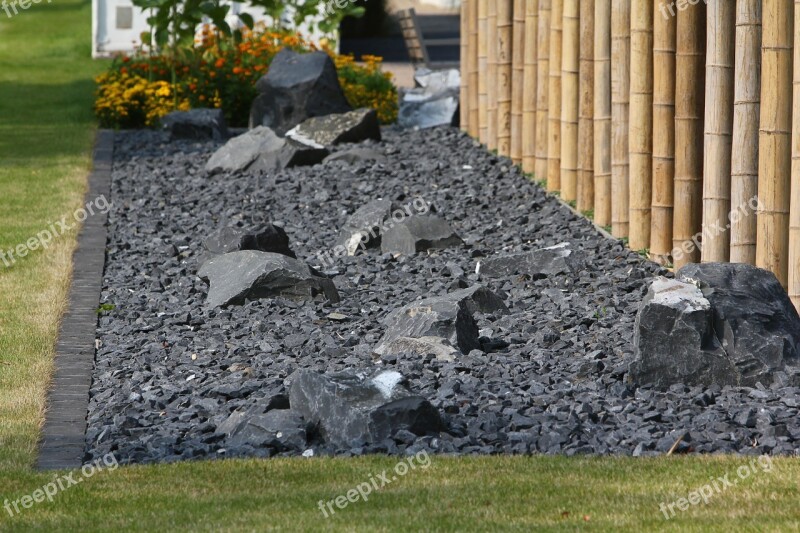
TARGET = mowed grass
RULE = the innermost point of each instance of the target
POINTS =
(46, 131)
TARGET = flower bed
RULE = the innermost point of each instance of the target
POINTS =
(138, 90)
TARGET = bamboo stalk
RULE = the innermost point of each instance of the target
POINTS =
(505, 43)
(794, 215)
(570, 66)
(746, 117)
(586, 109)
(689, 100)
(775, 158)
(640, 134)
(472, 68)
(530, 86)
(554, 98)
(464, 59)
(542, 89)
(483, 66)
(517, 81)
(491, 26)
(720, 53)
(620, 108)
(664, 28)
(602, 112)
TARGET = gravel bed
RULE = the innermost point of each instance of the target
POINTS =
(551, 378)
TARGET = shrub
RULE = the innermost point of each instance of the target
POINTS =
(140, 89)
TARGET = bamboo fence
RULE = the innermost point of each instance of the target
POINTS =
(674, 125)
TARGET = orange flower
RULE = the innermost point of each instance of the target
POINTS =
(220, 62)
(237, 70)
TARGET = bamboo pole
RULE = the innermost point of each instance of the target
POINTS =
(570, 66)
(472, 68)
(586, 109)
(640, 134)
(794, 216)
(620, 102)
(720, 53)
(530, 85)
(746, 113)
(554, 98)
(505, 43)
(483, 66)
(542, 89)
(774, 158)
(664, 28)
(464, 59)
(602, 112)
(517, 81)
(689, 100)
(491, 25)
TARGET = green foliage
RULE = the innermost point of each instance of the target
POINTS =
(105, 308)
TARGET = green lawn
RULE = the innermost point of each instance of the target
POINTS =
(46, 131)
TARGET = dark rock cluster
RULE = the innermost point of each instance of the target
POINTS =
(518, 338)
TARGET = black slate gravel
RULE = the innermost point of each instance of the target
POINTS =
(551, 377)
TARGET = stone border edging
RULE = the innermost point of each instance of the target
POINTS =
(63, 437)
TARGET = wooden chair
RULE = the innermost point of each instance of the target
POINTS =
(418, 45)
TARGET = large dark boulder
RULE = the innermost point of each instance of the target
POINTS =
(674, 340)
(417, 234)
(229, 239)
(196, 124)
(295, 88)
(260, 149)
(536, 264)
(355, 408)
(237, 277)
(441, 325)
(724, 324)
(351, 127)
(753, 317)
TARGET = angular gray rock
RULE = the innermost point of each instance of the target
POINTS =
(753, 317)
(230, 239)
(723, 324)
(354, 408)
(356, 155)
(447, 318)
(674, 340)
(260, 149)
(422, 346)
(280, 428)
(295, 88)
(248, 275)
(417, 234)
(291, 154)
(196, 124)
(351, 127)
(434, 103)
(420, 109)
(363, 228)
(536, 264)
